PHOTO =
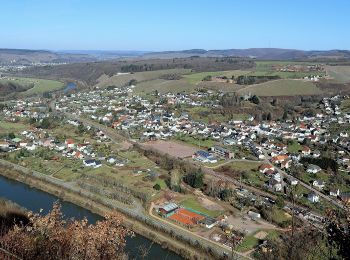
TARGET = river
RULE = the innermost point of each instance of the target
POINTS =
(34, 200)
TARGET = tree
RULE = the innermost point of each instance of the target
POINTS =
(157, 187)
(255, 99)
(52, 237)
(280, 202)
(207, 78)
(195, 179)
(11, 135)
(132, 82)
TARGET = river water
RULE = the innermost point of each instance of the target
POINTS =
(34, 200)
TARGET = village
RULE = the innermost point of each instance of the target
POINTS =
(255, 166)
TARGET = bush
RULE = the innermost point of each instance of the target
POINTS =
(157, 187)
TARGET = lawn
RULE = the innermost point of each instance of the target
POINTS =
(294, 147)
(40, 85)
(248, 243)
(194, 204)
(282, 87)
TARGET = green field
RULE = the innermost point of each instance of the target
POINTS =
(120, 80)
(340, 74)
(200, 143)
(40, 85)
(198, 77)
(194, 204)
(283, 87)
(294, 147)
(9, 127)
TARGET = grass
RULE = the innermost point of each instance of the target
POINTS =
(120, 80)
(283, 87)
(40, 85)
(294, 147)
(345, 105)
(248, 243)
(9, 127)
(194, 204)
(341, 74)
(198, 77)
(251, 176)
(279, 216)
(200, 143)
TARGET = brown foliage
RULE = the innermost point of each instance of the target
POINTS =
(52, 237)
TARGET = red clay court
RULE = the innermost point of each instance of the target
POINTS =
(186, 217)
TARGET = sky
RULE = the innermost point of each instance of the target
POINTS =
(159, 25)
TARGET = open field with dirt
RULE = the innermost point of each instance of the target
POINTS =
(282, 87)
(172, 148)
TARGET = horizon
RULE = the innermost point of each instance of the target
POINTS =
(155, 26)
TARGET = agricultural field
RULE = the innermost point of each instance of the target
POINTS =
(188, 83)
(122, 79)
(282, 87)
(340, 74)
(10, 127)
(172, 148)
(195, 78)
(35, 86)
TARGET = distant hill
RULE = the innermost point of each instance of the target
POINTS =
(27, 57)
(258, 53)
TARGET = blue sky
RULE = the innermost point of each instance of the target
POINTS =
(157, 25)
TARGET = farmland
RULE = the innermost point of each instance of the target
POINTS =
(34, 85)
(340, 74)
(282, 87)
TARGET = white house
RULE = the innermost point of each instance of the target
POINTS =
(313, 197)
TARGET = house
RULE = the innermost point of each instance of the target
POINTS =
(229, 141)
(69, 143)
(318, 184)
(334, 192)
(266, 167)
(209, 222)
(292, 181)
(279, 158)
(305, 150)
(204, 156)
(222, 152)
(345, 197)
(313, 197)
(4, 145)
(253, 215)
(92, 163)
(275, 185)
(313, 168)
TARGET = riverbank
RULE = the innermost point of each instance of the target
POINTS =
(164, 239)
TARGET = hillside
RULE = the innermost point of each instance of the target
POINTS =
(258, 53)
